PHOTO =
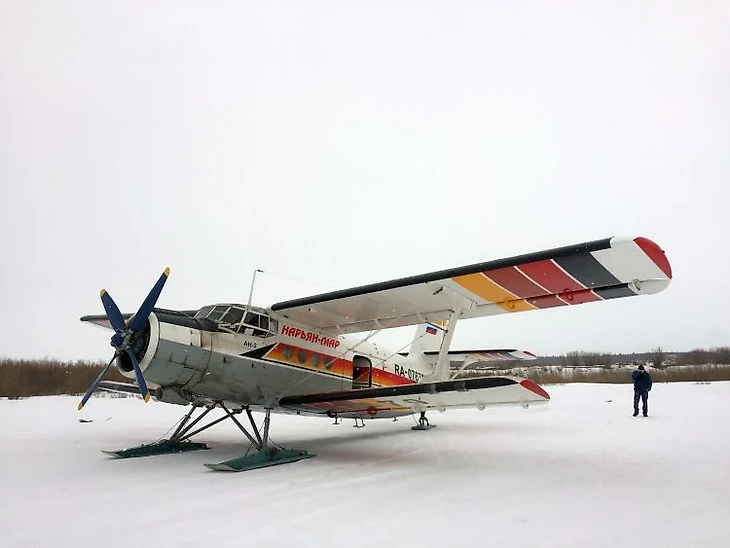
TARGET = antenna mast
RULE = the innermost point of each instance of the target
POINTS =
(253, 281)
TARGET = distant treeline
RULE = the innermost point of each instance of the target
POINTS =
(657, 357)
(697, 365)
(618, 374)
(21, 378)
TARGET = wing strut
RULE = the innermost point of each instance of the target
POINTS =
(442, 370)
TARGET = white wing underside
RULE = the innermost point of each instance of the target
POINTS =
(588, 272)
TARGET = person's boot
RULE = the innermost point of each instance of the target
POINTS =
(636, 413)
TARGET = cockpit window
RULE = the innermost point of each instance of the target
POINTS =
(233, 315)
(258, 325)
(217, 313)
(203, 312)
(236, 318)
(253, 319)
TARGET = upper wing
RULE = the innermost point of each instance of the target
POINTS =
(395, 400)
(576, 274)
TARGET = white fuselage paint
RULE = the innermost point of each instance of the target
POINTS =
(216, 365)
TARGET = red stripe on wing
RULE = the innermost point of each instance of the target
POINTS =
(554, 279)
(515, 282)
(546, 301)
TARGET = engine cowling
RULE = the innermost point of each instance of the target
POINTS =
(143, 344)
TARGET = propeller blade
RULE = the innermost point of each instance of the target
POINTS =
(149, 303)
(140, 378)
(95, 384)
(112, 312)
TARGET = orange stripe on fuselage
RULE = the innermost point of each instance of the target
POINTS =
(325, 363)
(310, 359)
(381, 377)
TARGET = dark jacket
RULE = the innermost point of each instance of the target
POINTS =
(642, 380)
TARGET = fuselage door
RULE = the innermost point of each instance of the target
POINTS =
(362, 372)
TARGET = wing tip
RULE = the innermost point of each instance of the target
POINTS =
(656, 254)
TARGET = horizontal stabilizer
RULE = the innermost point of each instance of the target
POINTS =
(101, 320)
(483, 355)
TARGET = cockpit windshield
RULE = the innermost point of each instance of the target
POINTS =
(237, 318)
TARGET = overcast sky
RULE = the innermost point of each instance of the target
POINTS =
(334, 144)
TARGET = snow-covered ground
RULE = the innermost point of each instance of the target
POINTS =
(580, 471)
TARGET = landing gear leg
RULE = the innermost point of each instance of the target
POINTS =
(180, 441)
(264, 455)
(423, 423)
(333, 415)
(177, 443)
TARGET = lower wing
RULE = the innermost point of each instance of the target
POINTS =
(398, 400)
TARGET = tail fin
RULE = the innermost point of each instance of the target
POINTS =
(428, 338)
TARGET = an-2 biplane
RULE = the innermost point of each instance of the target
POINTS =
(300, 357)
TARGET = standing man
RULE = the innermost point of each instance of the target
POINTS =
(642, 385)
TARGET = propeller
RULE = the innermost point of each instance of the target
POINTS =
(124, 333)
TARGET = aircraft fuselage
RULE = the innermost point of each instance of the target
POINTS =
(256, 366)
